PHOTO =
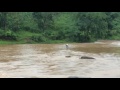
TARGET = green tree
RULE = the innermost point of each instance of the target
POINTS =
(43, 19)
(92, 25)
(64, 24)
(15, 21)
(29, 23)
(3, 20)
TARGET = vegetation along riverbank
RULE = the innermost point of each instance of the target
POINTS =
(58, 27)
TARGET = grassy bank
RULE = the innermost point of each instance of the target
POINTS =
(24, 37)
(23, 42)
(115, 37)
(7, 42)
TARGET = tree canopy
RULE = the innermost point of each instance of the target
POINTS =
(67, 26)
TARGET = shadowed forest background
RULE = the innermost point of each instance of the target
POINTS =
(58, 27)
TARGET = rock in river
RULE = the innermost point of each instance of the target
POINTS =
(68, 56)
(86, 57)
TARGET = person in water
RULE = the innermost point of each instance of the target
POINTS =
(67, 46)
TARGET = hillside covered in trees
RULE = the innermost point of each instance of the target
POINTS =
(47, 27)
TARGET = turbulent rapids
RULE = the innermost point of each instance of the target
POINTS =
(54, 60)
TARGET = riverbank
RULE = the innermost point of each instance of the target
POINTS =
(26, 37)
(4, 42)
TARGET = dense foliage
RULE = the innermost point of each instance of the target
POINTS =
(61, 26)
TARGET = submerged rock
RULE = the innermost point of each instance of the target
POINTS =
(68, 56)
(86, 57)
(77, 77)
(73, 77)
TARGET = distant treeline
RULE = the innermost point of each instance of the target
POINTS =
(68, 26)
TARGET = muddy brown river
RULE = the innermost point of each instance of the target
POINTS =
(54, 61)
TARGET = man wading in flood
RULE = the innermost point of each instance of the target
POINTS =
(67, 52)
(67, 46)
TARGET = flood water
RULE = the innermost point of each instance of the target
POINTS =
(51, 61)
